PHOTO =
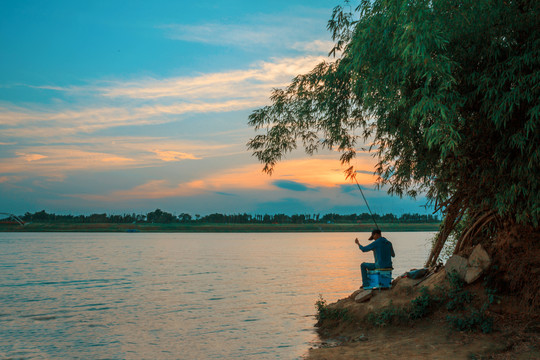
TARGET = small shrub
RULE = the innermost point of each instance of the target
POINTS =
(471, 321)
(387, 316)
(458, 301)
(419, 307)
(491, 295)
(326, 313)
(423, 305)
(486, 325)
(457, 297)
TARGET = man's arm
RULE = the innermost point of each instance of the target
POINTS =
(368, 247)
(392, 250)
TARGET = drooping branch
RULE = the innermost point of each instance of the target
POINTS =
(449, 105)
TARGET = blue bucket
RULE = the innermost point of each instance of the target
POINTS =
(379, 279)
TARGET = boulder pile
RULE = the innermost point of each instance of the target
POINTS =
(469, 270)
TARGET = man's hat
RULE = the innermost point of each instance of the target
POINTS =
(375, 231)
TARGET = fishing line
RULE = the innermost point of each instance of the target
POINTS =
(365, 200)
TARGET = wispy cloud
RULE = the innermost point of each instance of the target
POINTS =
(291, 185)
(174, 155)
(5, 179)
(256, 31)
(295, 175)
(253, 83)
(153, 101)
(51, 141)
(315, 46)
(62, 134)
(365, 172)
(54, 161)
(222, 34)
(30, 157)
(155, 189)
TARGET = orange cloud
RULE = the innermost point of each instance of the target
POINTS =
(155, 189)
(312, 172)
(174, 155)
(56, 161)
(31, 157)
(96, 154)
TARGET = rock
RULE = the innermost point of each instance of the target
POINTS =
(364, 295)
(331, 343)
(360, 338)
(472, 274)
(458, 264)
(480, 258)
(353, 295)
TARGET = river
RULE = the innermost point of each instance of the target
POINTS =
(177, 295)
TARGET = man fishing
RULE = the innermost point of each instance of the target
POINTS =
(382, 251)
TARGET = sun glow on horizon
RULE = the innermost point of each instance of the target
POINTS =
(312, 173)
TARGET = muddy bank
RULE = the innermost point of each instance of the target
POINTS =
(429, 318)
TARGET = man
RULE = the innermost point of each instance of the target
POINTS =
(382, 251)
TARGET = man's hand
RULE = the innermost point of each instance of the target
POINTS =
(356, 241)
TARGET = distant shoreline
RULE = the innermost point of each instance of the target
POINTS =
(213, 228)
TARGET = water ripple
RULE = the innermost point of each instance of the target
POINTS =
(163, 296)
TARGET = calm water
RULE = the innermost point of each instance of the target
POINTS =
(176, 296)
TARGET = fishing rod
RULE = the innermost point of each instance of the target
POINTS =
(365, 200)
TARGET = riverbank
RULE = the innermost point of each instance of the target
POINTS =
(213, 227)
(413, 320)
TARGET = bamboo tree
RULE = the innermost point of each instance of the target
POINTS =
(446, 91)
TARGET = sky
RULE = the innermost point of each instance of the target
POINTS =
(129, 106)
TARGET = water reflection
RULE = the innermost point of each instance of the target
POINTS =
(162, 296)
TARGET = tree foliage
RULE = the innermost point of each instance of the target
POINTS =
(446, 92)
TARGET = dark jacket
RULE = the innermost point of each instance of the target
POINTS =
(382, 251)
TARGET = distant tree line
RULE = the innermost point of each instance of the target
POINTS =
(163, 217)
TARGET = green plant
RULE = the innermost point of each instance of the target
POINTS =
(457, 296)
(423, 305)
(470, 319)
(388, 315)
(419, 307)
(324, 312)
(491, 293)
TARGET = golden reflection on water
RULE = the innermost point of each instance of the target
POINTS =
(163, 296)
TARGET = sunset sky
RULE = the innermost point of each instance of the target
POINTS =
(128, 106)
